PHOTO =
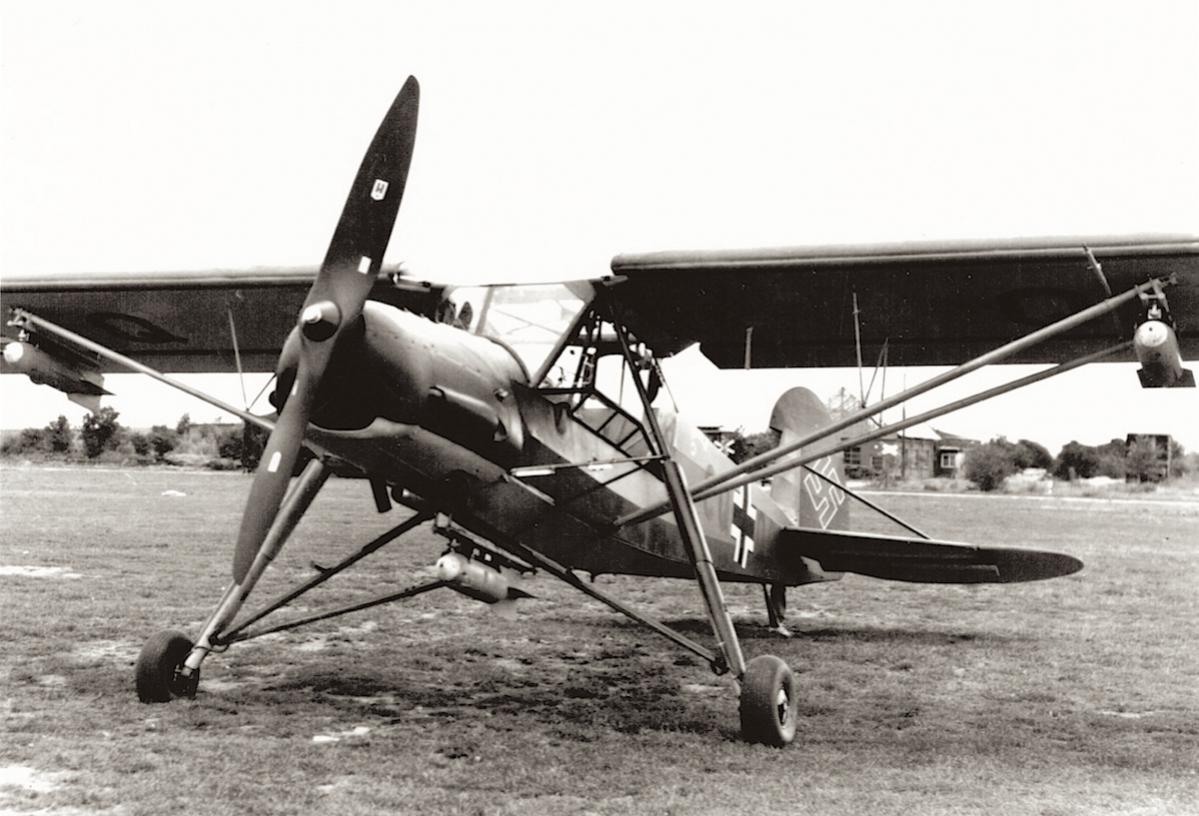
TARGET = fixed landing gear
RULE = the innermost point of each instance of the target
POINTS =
(767, 685)
(158, 668)
(767, 703)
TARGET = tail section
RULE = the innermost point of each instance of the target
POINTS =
(812, 501)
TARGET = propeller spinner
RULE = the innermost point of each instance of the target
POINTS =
(334, 303)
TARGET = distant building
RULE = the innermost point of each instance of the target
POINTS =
(920, 452)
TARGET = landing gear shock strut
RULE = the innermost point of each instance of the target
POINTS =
(767, 686)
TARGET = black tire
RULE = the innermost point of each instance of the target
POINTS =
(768, 701)
(157, 669)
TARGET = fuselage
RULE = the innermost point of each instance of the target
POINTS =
(452, 417)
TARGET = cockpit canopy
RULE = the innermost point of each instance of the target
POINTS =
(530, 319)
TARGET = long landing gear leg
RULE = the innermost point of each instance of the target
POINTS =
(169, 664)
(767, 686)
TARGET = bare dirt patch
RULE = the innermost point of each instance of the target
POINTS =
(26, 571)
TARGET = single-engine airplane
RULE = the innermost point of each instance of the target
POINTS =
(527, 425)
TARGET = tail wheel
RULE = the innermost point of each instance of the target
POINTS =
(157, 669)
(768, 700)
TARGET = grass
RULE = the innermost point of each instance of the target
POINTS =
(1074, 696)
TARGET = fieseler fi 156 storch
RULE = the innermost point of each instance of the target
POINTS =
(528, 424)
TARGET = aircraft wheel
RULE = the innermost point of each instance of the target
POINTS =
(768, 702)
(157, 669)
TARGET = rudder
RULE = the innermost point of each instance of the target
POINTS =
(810, 500)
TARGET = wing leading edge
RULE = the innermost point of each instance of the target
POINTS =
(934, 304)
(899, 558)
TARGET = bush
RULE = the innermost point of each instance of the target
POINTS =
(140, 443)
(1185, 465)
(229, 444)
(1141, 459)
(30, 440)
(242, 445)
(59, 436)
(1111, 465)
(747, 447)
(1181, 462)
(162, 440)
(100, 432)
(988, 465)
(1076, 461)
(1029, 454)
(253, 444)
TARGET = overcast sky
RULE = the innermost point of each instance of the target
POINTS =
(555, 135)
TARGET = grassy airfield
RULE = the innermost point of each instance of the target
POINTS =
(1074, 696)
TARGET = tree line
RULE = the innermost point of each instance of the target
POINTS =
(989, 464)
(102, 438)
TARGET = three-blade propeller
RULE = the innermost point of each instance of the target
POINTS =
(333, 304)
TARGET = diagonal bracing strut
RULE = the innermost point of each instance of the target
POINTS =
(564, 574)
(690, 530)
(297, 501)
(704, 488)
(24, 319)
(233, 634)
(804, 459)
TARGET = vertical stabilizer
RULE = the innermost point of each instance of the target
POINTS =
(810, 500)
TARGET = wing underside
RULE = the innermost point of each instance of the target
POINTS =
(934, 304)
(898, 558)
(187, 321)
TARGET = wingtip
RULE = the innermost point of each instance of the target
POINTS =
(1034, 565)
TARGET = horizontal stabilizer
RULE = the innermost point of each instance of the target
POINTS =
(899, 558)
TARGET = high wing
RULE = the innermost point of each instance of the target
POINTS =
(906, 558)
(935, 304)
(186, 321)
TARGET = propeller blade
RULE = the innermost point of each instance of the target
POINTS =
(356, 252)
(273, 474)
(335, 302)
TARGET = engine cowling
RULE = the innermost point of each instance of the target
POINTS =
(407, 369)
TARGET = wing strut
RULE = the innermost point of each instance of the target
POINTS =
(241, 376)
(690, 529)
(701, 493)
(24, 319)
(735, 477)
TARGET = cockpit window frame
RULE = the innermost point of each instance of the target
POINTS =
(585, 291)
